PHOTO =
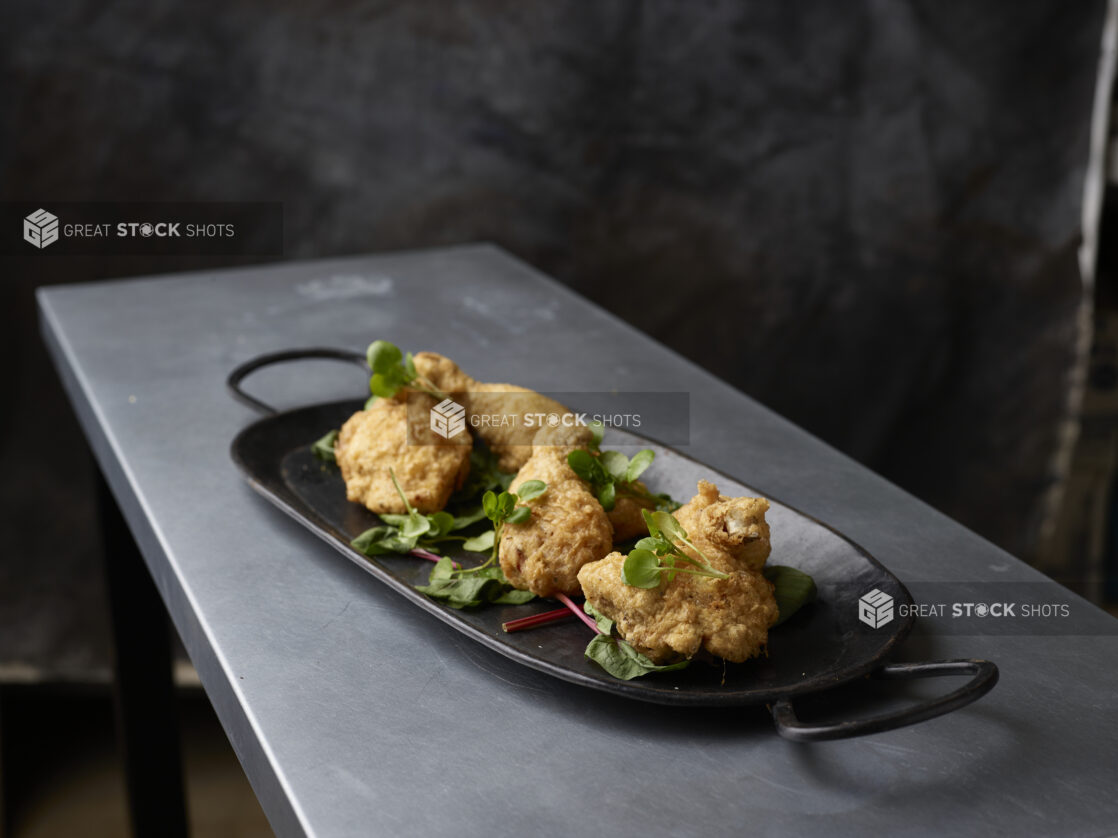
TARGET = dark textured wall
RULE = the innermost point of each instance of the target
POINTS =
(863, 214)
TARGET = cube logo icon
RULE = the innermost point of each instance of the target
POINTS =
(40, 228)
(875, 609)
(448, 419)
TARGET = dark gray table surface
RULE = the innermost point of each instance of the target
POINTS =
(354, 713)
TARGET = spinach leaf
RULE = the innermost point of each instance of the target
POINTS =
(793, 589)
(514, 596)
(403, 532)
(471, 589)
(621, 660)
(605, 624)
(381, 540)
(618, 657)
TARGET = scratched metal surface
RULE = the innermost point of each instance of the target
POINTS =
(355, 713)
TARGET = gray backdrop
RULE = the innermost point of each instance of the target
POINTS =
(864, 214)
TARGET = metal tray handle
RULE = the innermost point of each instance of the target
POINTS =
(985, 675)
(242, 371)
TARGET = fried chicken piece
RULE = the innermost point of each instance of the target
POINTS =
(568, 527)
(511, 440)
(732, 532)
(626, 518)
(428, 467)
(729, 618)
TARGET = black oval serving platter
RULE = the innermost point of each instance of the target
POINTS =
(823, 646)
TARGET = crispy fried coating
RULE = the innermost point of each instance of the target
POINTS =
(568, 527)
(429, 469)
(732, 532)
(509, 441)
(626, 518)
(729, 618)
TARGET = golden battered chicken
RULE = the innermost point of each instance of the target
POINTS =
(509, 440)
(568, 527)
(729, 617)
(428, 467)
(731, 531)
(626, 517)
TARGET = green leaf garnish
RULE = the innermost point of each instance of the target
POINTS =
(617, 656)
(442, 523)
(659, 555)
(637, 466)
(621, 660)
(792, 589)
(514, 596)
(416, 524)
(464, 520)
(462, 589)
(382, 356)
(615, 463)
(666, 525)
(530, 490)
(384, 386)
(479, 543)
(379, 541)
(402, 532)
(484, 474)
(612, 474)
(605, 624)
(519, 515)
(607, 496)
(391, 370)
(324, 448)
(586, 466)
(443, 569)
(641, 569)
(502, 509)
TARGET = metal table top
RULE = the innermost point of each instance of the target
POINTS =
(355, 713)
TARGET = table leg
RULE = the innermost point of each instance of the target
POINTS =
(147, 723)
(4, 825)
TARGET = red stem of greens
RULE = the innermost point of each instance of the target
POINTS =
(536, 620)
(420, 553)
(578, 612)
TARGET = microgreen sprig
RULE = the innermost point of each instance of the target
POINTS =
(481, 586)
(392, 370)
(403, 533)
(612, 473)
(659, 555)
(502, 509)
(486, 583)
